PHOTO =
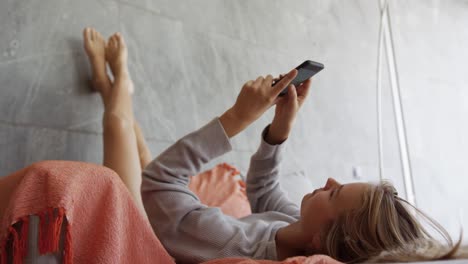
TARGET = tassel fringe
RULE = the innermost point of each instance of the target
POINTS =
(68, 250)
(50, 227)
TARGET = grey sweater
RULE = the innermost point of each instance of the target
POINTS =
(192, 232)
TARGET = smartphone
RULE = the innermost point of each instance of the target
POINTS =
(304, 71)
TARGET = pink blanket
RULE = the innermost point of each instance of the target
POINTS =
(88, 207)
(102, 224)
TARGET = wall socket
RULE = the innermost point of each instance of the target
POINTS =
(357, 172)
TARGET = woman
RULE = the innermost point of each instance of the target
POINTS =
(349, 222)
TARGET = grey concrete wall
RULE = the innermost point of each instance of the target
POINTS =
(189, 59)
(431, 39)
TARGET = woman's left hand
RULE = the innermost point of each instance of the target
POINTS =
(286, 112)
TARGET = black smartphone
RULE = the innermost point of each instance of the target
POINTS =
(304, 71)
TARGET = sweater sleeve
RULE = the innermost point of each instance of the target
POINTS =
(263, 188)
(189, 230)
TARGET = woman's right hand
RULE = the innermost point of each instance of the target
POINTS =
(253, 100)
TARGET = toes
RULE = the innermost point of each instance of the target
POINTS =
(120, 39)
(94, 34)
(116, 41)
(86, 33)
(99, 36)
(111, 41)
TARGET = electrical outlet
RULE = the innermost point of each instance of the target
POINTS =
(357, 172)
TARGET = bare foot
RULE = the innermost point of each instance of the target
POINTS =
(116, 56)
(95, 47)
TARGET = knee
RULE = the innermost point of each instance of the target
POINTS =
(115, 121)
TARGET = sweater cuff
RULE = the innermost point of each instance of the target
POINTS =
(266, 150)
(216, 140)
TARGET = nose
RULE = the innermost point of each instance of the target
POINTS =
(331, 183)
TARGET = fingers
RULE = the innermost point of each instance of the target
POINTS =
(278, 78)
(290, 97)
(261, 81)
(292, 94)
(303, 91)
(284, 82)
(258, 82)
(278, 99)
(268, 80)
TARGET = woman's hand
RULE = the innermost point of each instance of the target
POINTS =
(286, 112)
(253, 100)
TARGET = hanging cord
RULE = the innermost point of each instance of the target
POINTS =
(379, 93)
(386, 28)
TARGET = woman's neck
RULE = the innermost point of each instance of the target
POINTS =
(291, 241)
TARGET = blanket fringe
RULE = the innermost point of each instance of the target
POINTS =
(3, 256)
(50, 227)
(49, 230)
(24, 236)
(17, 259)
(68, 250)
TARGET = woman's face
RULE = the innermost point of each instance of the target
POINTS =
(322, 206)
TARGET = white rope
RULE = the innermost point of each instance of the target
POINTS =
(379, 94)
(397, 106)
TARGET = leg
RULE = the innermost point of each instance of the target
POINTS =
(143, 150)
(120, 145)
(94, 43)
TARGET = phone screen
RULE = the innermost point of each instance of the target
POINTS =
(304, 72)
(302, 75)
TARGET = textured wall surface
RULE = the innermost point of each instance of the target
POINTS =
(188, 62)
(431, 39)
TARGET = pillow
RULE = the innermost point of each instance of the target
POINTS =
(219, 187)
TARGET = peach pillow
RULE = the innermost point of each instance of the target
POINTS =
(219, 187)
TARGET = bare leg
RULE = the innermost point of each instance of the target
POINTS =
(121, 150)
(120, 144)
(95, 48)
(143, 150)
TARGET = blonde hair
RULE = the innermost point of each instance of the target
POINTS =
(384, 229)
